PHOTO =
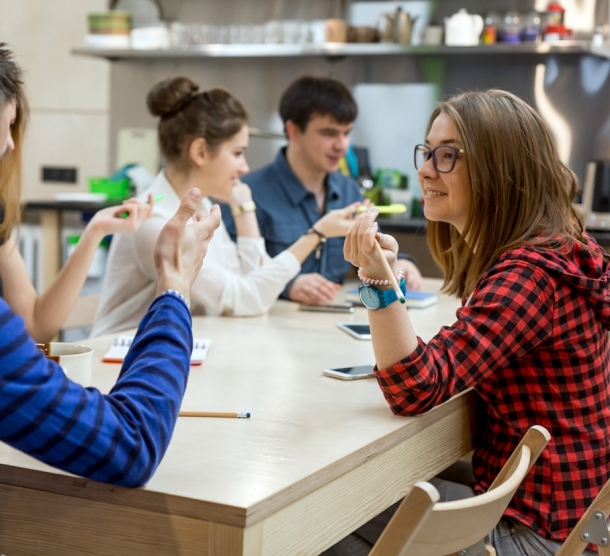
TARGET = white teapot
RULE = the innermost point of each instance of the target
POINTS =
(463, 29)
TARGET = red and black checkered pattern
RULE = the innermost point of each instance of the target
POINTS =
(532, 341)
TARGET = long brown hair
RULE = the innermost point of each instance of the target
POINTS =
(186, 114)
(11, 90)
(521, 192)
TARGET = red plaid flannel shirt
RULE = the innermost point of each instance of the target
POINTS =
(532, 340)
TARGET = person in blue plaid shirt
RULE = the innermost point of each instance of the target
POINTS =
(531, 336)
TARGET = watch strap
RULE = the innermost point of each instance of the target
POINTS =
(248, 206)
(386, 297)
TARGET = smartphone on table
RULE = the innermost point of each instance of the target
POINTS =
(361, 331)
(328, 308)
(350, 373)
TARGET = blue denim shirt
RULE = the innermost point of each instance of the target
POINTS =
(286, 210)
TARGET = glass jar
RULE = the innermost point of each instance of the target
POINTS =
(511, 32)
(532, 27)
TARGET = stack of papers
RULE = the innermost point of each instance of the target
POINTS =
(120, 347)
(413, 300)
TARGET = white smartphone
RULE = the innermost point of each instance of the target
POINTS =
(361, 331)
(329, 308)
(350, 373)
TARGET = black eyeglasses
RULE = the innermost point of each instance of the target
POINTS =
(443, 157)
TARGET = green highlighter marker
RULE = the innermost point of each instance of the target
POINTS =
(395, 208)
(156, 199)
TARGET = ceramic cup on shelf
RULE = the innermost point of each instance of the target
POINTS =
(362, 33)
(336, 30)
(432, 35)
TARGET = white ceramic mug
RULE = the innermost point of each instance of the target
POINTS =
(75, 359)
(432, 35)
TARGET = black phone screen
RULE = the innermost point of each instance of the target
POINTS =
(359, 328)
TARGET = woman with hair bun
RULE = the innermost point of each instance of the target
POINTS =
(203, 136)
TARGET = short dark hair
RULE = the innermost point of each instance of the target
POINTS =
(308, 96)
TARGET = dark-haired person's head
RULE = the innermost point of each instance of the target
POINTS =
(310, 96)
(201, 131)
(13, 118)
(318, 114)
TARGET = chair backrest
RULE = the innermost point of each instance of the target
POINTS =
(591, 528)
(445, 528)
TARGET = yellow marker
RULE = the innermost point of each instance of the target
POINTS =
(395, 208)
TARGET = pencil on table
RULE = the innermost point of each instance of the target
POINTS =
(386, 265)
(241, 415)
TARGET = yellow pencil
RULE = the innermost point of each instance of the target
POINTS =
(393, 281)
(242, 415)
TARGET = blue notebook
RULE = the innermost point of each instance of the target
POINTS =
(413, 300)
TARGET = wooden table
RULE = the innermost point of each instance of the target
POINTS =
(318, 458)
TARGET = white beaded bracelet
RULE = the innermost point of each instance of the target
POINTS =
(375, 282)
(177, 294)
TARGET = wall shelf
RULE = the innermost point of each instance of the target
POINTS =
(341, 49)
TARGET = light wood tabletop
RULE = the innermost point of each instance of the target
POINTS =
(318, 457)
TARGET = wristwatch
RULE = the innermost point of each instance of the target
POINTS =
(248, 206)
(374, 298)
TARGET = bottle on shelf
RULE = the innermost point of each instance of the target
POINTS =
(490, 30)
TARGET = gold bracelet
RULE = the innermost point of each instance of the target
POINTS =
(248, 206)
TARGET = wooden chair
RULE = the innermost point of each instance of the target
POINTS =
(422, 526)
(591, 528)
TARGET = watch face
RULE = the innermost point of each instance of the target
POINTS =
(369, 297)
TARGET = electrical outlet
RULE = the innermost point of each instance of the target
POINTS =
(59, 175)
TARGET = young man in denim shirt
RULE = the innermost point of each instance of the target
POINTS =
(303, 182)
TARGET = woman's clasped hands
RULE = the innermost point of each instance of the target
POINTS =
(359, 247)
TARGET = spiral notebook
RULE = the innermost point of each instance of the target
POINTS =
(119, 348)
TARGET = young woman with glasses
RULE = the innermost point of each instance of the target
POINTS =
(532, 334)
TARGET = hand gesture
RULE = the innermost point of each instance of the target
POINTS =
(359, 247)
(336, 223)
(109, 221)
(180, 248)
(240, 194)
(312, 289)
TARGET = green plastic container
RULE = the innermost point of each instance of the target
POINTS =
(119, 189)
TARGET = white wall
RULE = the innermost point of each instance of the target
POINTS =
(69, 95)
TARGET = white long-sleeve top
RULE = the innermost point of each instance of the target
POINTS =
(238, 279)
